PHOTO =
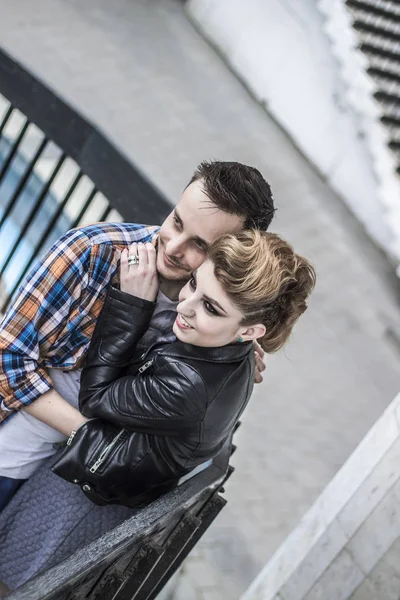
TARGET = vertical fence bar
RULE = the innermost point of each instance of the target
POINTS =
(34, 211)
(74, 224)
(23, 181)
(53, 220)
(58, 212)
(13, 150)
(105, 214)
(84, 208)
(6, 118)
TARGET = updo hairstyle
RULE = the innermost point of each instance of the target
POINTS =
(265, 279)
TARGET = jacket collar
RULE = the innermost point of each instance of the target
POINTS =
(235, 352)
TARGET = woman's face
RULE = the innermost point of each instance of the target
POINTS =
(206, 317)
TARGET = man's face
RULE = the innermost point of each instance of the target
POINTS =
(188, 231)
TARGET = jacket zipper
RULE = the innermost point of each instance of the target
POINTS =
(148, 351)
(146, 365)
(75, 431)
(71, 437)
(106, 452)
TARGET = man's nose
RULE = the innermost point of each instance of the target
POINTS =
(176, 246)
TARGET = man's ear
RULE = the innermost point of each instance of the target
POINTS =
(253, 333)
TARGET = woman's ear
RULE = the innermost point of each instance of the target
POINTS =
(253, 333)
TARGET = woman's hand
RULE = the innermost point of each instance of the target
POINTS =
(140, 279)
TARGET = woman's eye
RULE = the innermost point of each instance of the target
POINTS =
(210, 309)
(192, 283)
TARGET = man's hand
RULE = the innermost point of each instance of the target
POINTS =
(52, 409)
(139, 279)
(259, 362)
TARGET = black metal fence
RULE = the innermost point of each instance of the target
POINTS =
(57, 171)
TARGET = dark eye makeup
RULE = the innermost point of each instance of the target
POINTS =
(210, 309)
(207, 305)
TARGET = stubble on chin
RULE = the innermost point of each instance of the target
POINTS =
(171, 273)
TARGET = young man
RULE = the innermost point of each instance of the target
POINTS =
(47, 330)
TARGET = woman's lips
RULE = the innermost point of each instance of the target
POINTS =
(182, 324)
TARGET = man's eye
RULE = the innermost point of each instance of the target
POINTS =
(210, 309)
(177, 222)
(201, 246)
(192, 283)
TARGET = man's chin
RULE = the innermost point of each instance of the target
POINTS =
(171, 273)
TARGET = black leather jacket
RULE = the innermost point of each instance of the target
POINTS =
(154, 421)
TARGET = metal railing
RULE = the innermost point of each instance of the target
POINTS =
(57, 172)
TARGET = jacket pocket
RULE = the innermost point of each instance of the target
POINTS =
(106, 451)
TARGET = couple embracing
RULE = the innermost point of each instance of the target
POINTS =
(139, 347)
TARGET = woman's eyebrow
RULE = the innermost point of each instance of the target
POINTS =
(207, 298)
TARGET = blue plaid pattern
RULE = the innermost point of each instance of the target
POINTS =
(52, 318)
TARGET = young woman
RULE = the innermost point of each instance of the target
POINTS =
(173, 409)
(168, 409)
(155, 415)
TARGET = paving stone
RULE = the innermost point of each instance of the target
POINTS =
(385, 577)
(339, 580)
(375, 536)
(185, 590)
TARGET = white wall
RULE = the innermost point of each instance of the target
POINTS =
(281, 51)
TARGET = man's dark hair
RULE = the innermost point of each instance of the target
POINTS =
(239, 190)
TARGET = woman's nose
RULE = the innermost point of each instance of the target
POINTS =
(186, 306)
(184, 293)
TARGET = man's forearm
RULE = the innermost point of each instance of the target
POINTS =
(52, 409)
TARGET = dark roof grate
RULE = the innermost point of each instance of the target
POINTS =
(377, 27)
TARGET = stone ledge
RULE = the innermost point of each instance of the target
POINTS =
(348, 529)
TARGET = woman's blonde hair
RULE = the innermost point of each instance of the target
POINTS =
(265, 279)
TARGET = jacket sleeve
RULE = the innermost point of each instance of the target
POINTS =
(165, 399)
(134, 472)
(35, 319)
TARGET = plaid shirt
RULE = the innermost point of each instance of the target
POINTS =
(53, 316)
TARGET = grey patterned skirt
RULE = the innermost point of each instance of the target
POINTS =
(45, 522)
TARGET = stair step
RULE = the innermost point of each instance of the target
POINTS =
(364, 20)
(394, 132)
(382, 66)
(371, 43)
(387, 87)
(385, 8)
(390, 112)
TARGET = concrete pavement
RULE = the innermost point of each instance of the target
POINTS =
(141, 72)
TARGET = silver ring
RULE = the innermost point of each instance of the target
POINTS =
(133, 259)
